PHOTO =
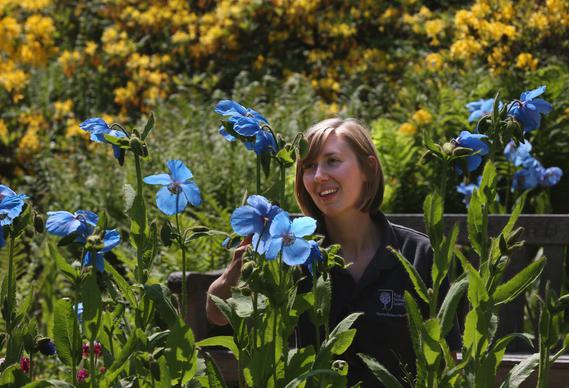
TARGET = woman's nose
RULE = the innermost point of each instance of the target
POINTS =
(320, 174)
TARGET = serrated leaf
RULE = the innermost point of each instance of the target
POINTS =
(63, 321)
(418, 284)
(148, 127)
(62, 265)
(133, 344)
(342, 341)
(519, 373)
(121, 283)
(380, 372)
(225, 341)
(213, 376)
(159, 294)
(509, 290)
(447, 312)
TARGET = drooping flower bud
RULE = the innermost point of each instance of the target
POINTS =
(45, 346)
(449, 147)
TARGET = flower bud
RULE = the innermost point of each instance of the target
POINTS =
(45, 346)
(25, 364)
(94, 242)
(166, 233)
(247, 269)
(38, 223)
(303, 147)
(136, 146)
(448, 148)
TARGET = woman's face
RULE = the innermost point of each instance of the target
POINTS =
(334, 180)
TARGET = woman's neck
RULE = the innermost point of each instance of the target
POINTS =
(356, 232)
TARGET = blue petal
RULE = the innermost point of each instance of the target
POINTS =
(260, 203)
(542, 106)
(112, 239)
(166, 202)
(97, 127)
(257, 116)
(230, 108)
(264, 141)
(90, 217)
(472, 162)
(226, 135)
(260, 246)
(61, 223)
(158, 179)
(2, 241)
(247, 126)
(303, 226)
(274, 247)
(179, 172)
(474, 116)
(116, 151)
(297, 253)
(531, 94)
(281, 225)
(192, 193)
(245, 220)
(5, 191)
(11, 207)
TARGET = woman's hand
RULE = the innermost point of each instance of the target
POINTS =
(221, 287)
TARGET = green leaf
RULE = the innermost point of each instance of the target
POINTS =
(213, 376)
(138, 222)
(49, 383)
(341, 342)
(286, 156)
(165, 379)
(323, 300)
(345, 324)
(226, 310)
(121, 142)
(520, 372)
(443, 257)
(447, 312)
(380, 372)
(13, 376)
(91, 296)
(486, 375)
(474, 221)
(496, 110)
(415, 323)
(63, 321)
(160, 295)
(516, 211)
(134, 343)
(418, 284)
(181, 353)
(300, 362)
(121, 283)
(512, 288)
(225, 341)
(148, 127)
(305, 376)
(433, 210)
(62, 265)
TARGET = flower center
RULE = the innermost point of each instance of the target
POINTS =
(175, 188)
(288, 239)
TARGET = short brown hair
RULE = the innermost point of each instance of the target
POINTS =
(359, 139)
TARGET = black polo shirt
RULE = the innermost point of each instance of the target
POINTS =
(383, 331)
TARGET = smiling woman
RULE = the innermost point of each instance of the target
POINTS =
(340, 183)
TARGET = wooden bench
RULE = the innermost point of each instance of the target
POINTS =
(548, 231)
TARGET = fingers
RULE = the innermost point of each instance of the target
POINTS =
(242, 248)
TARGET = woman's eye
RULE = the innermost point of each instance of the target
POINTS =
(333, 161)
(309, 166)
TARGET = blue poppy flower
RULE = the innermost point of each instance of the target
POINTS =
(11, 205)
(286, 237)
(179, 188)
(98, 128)
(467, 190)
(528, 109)
(62, 223)
(255, 219)
(314, 257)
(248, 123)
(110, 240)
(480, 108)
(529, 176)
(550, 176)
(518, 155)
(478, 147)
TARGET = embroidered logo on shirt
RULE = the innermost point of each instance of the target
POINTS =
(391, 304)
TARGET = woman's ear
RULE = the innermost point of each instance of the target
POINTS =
(374, 164)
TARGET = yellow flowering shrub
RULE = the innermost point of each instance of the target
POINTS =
(408, 129)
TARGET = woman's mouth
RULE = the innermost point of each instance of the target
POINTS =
(327, 193)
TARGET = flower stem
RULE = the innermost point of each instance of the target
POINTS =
(140, 242)
(182, 246)
(11, 291)
(92, 361)
(283, 178)
(258, 177)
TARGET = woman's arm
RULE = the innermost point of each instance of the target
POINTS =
(221, 287)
